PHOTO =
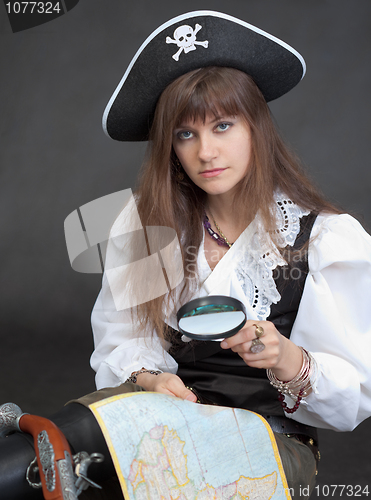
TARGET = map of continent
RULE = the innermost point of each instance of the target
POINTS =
(160, 472)
(165, 448)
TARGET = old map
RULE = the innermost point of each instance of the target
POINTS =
(165, 448)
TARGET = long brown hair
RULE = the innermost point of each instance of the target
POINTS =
(165, 200)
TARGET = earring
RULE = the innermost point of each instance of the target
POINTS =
(179, 175)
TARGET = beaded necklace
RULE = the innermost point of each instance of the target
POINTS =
(219, 238)
(220, 231)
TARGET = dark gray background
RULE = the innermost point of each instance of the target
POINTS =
(55, 82)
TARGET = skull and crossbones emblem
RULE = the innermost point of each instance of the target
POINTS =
(185, 39)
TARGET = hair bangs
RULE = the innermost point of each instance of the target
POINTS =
(209, 95)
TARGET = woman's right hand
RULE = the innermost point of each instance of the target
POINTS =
(166, 383)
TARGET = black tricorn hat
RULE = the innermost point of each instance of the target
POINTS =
(190, 41)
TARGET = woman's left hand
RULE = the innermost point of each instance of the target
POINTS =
(280, 354)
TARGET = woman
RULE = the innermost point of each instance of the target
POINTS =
(250, 226)
(218, 173)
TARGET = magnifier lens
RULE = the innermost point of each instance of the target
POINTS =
(212, 323)
(210, 318)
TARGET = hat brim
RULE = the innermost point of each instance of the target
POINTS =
(275, 67)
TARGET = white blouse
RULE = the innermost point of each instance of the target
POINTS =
(333, 320)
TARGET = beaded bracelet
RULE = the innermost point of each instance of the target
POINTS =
(134, 375)
(299, 386)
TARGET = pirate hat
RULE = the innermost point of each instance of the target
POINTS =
(190, 41)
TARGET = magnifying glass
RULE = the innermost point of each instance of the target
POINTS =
(210, 318)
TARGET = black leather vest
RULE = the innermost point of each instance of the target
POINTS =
(221, 375)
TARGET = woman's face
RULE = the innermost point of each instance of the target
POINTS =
(216, 153)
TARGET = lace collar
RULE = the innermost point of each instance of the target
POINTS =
(253, 258)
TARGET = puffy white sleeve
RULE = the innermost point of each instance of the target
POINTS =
(118, 349)
(334, 324)
(120, 346)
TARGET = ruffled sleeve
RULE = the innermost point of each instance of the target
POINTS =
(119, 351)
(334, 324)
(120, 345)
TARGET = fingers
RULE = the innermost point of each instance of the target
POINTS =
(190, 396)
(246, 334)
(266, 350)
(168, 383)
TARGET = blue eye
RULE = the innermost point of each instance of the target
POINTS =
(185, 135)
(222, 127)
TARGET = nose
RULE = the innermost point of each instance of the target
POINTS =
(207, 150)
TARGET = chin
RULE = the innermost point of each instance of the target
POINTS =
(216, 192)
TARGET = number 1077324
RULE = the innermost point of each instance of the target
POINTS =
(341, 490)
(33, 7)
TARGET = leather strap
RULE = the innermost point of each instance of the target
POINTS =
(284, 425)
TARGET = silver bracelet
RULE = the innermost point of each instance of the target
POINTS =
(134, 375)
(298, 387)
(301, 383)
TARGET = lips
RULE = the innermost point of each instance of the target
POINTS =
(212, 173)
